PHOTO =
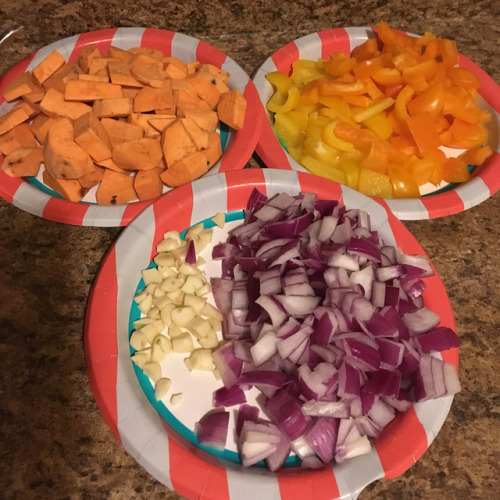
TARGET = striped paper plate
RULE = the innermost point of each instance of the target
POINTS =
(36, 198)
(167, 454)
(444, 200)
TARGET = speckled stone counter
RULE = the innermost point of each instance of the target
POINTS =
(54, 443)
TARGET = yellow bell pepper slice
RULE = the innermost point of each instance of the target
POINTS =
(277, 104)
(316, 167)
(331, 139)
(375, 108)
(374, 184)
(280, 81)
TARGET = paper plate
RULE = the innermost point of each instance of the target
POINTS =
(161, 446)
(34, 197)
(447, 199)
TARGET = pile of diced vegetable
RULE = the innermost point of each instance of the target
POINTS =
(377, 119)
(314, 311)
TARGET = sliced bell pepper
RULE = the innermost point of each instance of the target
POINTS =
(424, 132)
(328, 136)
(280, 81)
(422, 169)
(455, 170)
(318, 168)
(403, 183)
(476, 156)
(366, 50)
(374, 184)
(387, 77)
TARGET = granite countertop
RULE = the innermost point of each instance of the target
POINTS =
(54, 441)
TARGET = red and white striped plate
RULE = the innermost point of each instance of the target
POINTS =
(141, 430)
(485, 180)
(36, 198)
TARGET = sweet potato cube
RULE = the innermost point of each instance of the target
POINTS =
(115, 189)
(120, 54)
(36, 95)
(214, 70)
(63, 157)
(108, 108)
(12, 118)
(57, 81)
(40, 125)
(70, 189)
(31, 108)
(232, 108)
(87, 55)
(93, 178)
(121, 131)
(219, 81)
(149, 98)
(142, 120)
(94, 78)
(141, 154)
(130, 92)
(23, 162)
(185, 99)
(146, 52)
(197, 134)
(206, 90)
(45, 69)
(147, 184)
(109, 164)
(160, 122)
(79, 90)
(214, 150)
(53, 104)
(206, 119)
(149, 74)
(19, 136)
(192, 67)
(176, 143)
(174, 71)
(18, 87)
(91, 136)
(120, 73)
(188, 169)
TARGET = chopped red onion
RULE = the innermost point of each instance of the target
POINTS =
(212, 429)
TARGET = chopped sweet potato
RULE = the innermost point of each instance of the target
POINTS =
(32, 109)
(45, 69)
(206, 119)
(70, 189)
(107, 108)
(120, 73)
(92, 137)
(214, 70)
(186, 170)
(219, 81)
(197, 134)
(19, 136)
(142, 120)
(57, 81)
(184, 100)
(206, 90)
(36, 95)
(53, 104)
(87, 55)
(149, 74)
(141, 154)
(93, 178)
(148, 184)
(109, 164)
(192, 67)
(115, 189)
(63, 157)
(121, 54)
(176, 143)
(174, 71)
(12, 118)
(231, 109)
(23, 162)
(40, 125)
(18, 87)
(160, 122)
(94, 78)
(149, 98)
(155, 54)
(121, 131)
(214, 150)
(79, 90)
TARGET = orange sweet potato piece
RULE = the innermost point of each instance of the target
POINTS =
(36, 95)
(161, 122)
(19, 136)
(12, 118)
(142, 120)
(70, 189)
(204, 118)
(140, 154)
(109, 164)
(214, 150)
(87, 55)
(206, 90)
(45, 69)
(40, 125)
(147, 52)
(149, 98)
(121, 131)
(57, 81)
(214, 70)
(174, 71)
(219, 81)
(121, 54)
(231, 109)
(63, 157)
(53, 104)
(115, 189)
(130, 92)
(94, 78)
(176, 143)
(23, 162)
(91, 136)
(80, 90)
(92, 178)
(120, 73)
(186, 170)
(108, 108)
(147, 184)
(197, 134)
(18, 87)
(149, 74)
(31, 108)
(192, 67)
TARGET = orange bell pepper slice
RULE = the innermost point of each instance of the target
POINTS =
(455, 170)
(476, 156)
(366, 50)
(335, 87)
(424, 132)
(430, 100)
(368, 67)
(392, 38)
(387, 77)
(403, 183)
(464, 77)
(402, 100)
